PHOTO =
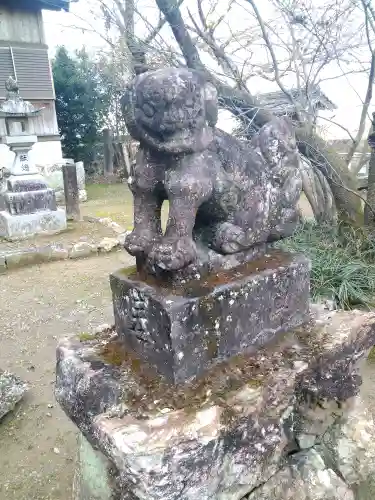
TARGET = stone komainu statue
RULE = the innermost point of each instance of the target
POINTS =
(225, 194)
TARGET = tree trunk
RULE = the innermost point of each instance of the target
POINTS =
(336, 172)
(369, 214)
(318, 193)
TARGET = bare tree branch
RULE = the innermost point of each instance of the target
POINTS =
(272, 53)
(155, 31)
(368, 97)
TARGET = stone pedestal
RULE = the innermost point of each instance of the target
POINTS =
(239, 432)
(183, 329)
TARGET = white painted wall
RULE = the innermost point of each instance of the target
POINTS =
(21, 26)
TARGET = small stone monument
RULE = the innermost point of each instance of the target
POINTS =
(215, 377)
(27, 205)
(53, 174)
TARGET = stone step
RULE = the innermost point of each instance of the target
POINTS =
(17, 227)
(28, 202)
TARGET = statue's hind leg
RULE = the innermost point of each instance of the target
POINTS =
(229, 238)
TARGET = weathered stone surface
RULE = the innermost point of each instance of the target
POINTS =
(35, 255)
(227, 434)
(350, 445)
(27, 202)
(108, 244)
(16, 227)
(121, 237)
(22, 258)
(314, 418)
(54, 177)
(228, 195)
(92, 480)
(184, 330)
(180, 454)
(305, 478)
(12, 390)
(71, 192)
(343, 339)
(17, 184)
(81, 250)
(117, 228)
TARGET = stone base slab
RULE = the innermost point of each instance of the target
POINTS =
(16, 227)
(225, 436)
(184, 329)
(92, 479)
(12, 390)
(29, 202)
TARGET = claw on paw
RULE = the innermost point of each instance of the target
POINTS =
(172, 254)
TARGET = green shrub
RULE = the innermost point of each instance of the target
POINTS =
(343, 262)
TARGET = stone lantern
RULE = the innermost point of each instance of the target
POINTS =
(27, 204)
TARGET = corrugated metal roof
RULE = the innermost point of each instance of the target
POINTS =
(31, 66)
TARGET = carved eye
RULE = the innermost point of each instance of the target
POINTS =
(148, 110)
(156, 97)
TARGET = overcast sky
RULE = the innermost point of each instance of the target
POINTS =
(62, 29)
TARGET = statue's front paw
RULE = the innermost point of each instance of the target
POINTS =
(173, 254)
(138, 242)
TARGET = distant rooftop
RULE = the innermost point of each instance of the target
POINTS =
(279, 103)
(39, 4)
(54, 4)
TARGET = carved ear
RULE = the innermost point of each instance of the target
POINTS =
(210, 99)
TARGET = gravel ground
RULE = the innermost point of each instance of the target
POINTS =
(38, 306)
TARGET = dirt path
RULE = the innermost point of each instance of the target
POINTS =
(38, 305)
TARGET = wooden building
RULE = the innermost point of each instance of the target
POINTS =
(24, 55)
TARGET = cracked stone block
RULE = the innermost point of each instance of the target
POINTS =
(350, 444)
(81, 250)
(108, 244)
(92, 480)
(35, 256)
(12, 390)
(305, 478)
(184, 329)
